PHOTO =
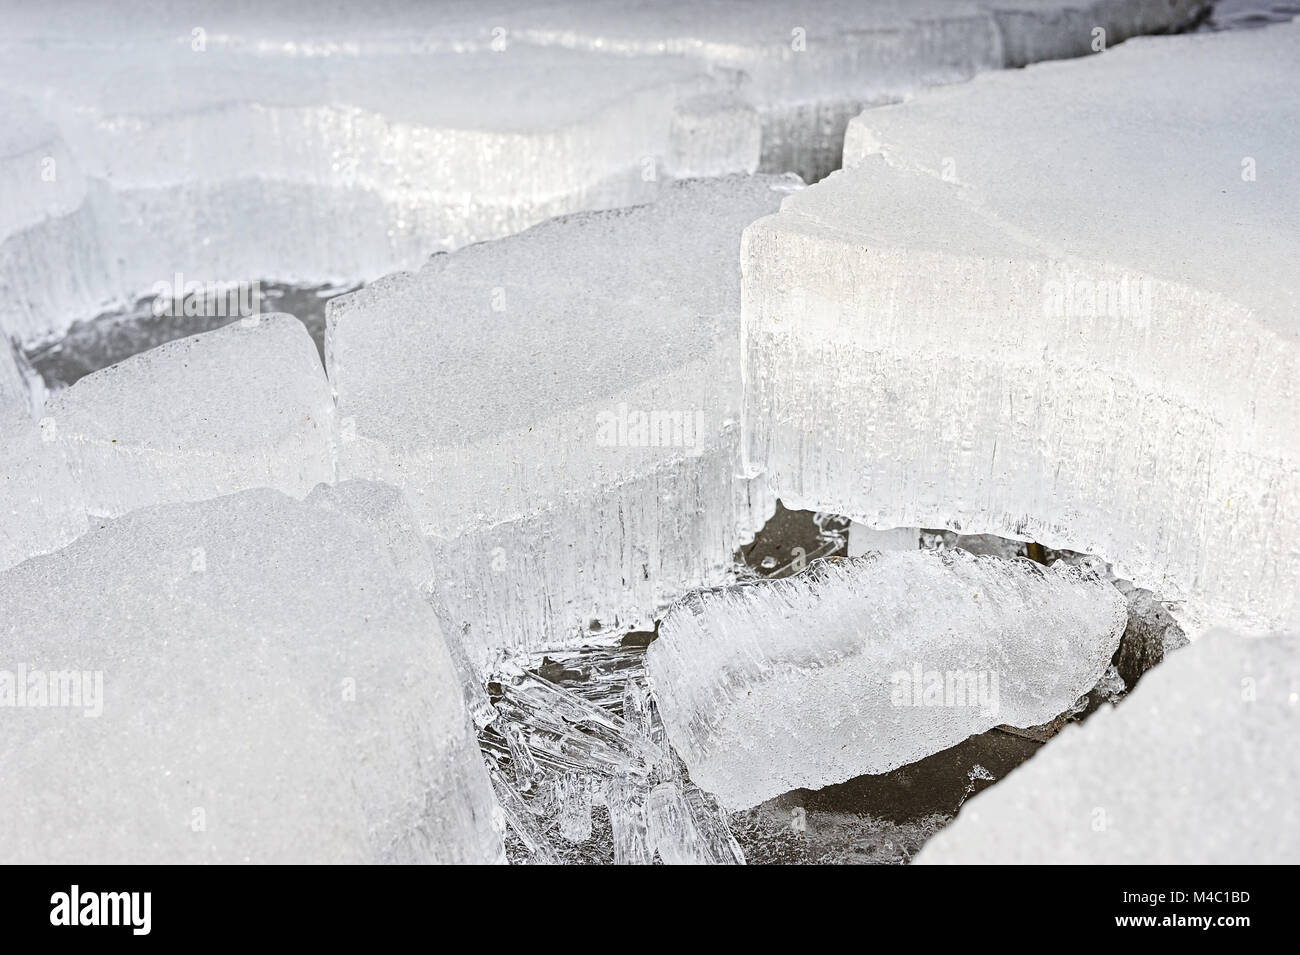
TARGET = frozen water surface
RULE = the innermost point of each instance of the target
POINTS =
(1086, 341)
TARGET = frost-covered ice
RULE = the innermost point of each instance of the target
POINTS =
(244, 406)
(1088, 340)
(250, 141)
(1197, 766)
(860, 666)
(562, 409)
(254, 679)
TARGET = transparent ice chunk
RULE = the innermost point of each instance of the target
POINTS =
(860, 666)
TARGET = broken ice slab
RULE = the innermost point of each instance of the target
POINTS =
(807, 70)
(245, 406)
(52, 257)
(384, 511)
(350, 166)
(1063, 342)
(359, 144)
(562, 410)
(249, 678)
(1198, 765)
(860, 666)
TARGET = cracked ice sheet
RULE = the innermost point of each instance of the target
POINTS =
(1198, 765)
(817, 678)
(539, 109)
(247, 405)
(257, 665)
(562, 409)
(506, 141)
(930, 351)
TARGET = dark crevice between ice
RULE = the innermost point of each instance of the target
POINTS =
(92, 344)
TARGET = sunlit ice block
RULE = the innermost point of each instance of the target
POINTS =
(1062, 342)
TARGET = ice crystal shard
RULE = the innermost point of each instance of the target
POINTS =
(861, 666)
(685, 828)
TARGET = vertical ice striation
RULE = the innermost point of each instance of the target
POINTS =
(245, 406)
(246, 679)
(1068, 341)
(55, 262)
(685, 828)
(627, 819)
(562, 410)
(1198, 765)
(860, 666)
